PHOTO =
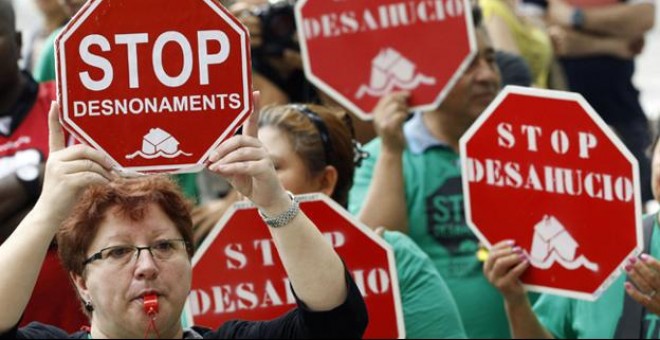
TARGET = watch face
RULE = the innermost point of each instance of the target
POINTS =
(28, 173)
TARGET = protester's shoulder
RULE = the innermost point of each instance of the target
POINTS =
(38, 330)
(401, 241)
(409, 256)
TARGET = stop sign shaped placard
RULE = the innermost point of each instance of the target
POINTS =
(419, 46)
(155, 84)
(541, 167)
(237, 273)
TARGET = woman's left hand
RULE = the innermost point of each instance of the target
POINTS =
(644, 273)
(245, 163)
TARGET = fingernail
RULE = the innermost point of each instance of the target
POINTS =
(645, 257)
(510, 242)
(523, 256)
(628, 285)
(632, 260)
(516, 249)
(627, 268)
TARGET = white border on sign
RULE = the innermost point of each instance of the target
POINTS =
(75, 23)
(347, 103)
(243, 205)
(573, 97)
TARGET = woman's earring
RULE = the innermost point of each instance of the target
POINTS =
(88, 306)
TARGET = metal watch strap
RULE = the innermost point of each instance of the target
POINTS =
(285, 217)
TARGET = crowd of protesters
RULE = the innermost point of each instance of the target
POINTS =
(68, 223)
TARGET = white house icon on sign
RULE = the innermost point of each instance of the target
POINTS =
(158, 143)
(552, 243)
(390, 70)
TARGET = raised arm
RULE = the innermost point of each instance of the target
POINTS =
(385, 203)
(570, 43)
(68, 172)
(501, 35)
(314, 269)
(624, 20)
(505, 264)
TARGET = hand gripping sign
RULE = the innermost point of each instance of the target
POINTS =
(237, 273)
(421, 46)
(154, 84)
(542, 168)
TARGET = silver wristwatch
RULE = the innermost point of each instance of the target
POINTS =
(285, 217)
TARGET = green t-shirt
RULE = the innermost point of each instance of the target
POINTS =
(45, 68)
(436, 222)
(569, 318)
(429, 309)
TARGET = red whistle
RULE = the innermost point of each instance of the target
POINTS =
(151, 304)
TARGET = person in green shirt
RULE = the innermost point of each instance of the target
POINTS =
(412, 183)
(559, 317)
(313, 151)
(45, 68)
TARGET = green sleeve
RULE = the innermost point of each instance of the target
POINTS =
(362, 178)
(556, 314)
(429, 309)
(45, 69)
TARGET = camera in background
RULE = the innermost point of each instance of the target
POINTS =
(278, 26)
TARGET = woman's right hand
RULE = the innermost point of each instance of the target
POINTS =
(68, 171)
(505, 263)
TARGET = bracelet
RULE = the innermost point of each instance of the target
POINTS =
(285, 217)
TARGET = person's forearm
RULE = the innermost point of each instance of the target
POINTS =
(314, 269)
(21, 258)
(585, 45)
(621, 20)
(523, 322)
(385, 204)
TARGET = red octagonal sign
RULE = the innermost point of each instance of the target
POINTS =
(419, 46)
(541, 167)
(237, 273)
(155, 84)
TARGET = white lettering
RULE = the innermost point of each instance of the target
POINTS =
(131, 41)
(206, 59)
(236, 259)
(157, 58)
(95, 61)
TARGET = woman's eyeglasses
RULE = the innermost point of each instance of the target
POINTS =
(121, 255)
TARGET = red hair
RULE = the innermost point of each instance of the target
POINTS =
(130, 197)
